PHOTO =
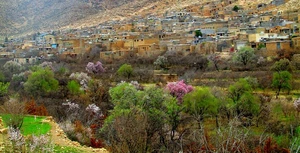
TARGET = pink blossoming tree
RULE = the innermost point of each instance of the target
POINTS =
(179, 89)
(95, 68)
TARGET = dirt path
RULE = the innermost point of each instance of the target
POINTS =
(59, 138)
(2, 134)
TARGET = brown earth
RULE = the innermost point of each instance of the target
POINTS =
(58, 137)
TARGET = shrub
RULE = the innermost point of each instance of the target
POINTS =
(3, 88)
(33, 109)
(41, 82)
(16, 111)
(161, 62)
(83, 79)
(74, 88)
(125, 70)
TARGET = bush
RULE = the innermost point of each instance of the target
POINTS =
(125, 70)
(16, 111)
(74, 88)
(33, 109)
(41, 82)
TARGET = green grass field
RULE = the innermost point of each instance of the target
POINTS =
(60, 149)
(31, 125)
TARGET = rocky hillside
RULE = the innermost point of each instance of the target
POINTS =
(26, 16)
(33, 15)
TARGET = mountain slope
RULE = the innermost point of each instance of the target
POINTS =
(27, 16)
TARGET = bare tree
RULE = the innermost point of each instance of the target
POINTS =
(16, 110)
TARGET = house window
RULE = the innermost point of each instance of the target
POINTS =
(27, 60)
(278, 45)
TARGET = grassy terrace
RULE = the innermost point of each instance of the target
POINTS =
(31, 125)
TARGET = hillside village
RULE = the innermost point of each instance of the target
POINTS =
(223, 31)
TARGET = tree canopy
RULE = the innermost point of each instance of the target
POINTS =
(244, 55)
(282, 65)
(198, 33)
(281, 80)
(199, 103)
(41, 82)
(125, 70)
(236, 8)
(243, 100)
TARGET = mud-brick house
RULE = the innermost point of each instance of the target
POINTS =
(117, 45)
(276, 45)
(75, 45)
(214, 25)
(150, 50)
(180, 48)
(290, 15)
(296, 43)
(136, 42)
(279, 29)
(28, 44)
(6, 55)
(116, 55)
(206, 48)
(265, 18)
(106, 29)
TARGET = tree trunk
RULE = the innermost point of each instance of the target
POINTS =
(217, 68)
(228, 116)
(217, 121)
(277, 94)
